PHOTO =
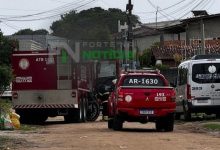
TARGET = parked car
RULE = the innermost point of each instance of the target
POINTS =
(142, 96)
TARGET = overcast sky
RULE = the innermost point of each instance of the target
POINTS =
(38, 14)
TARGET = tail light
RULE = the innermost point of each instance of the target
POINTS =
(173, 96)
(120, 95)
(15, 95)
(188, 92)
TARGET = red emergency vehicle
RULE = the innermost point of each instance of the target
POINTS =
(48, 83)
(142, 96)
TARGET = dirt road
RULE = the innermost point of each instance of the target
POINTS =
(95, 136)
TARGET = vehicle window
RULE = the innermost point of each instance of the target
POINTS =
(206, 73)
(143, 81)
(182, 76)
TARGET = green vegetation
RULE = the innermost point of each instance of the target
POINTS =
(25, 127)
(92, 24)
(31, 32)
(5, 106)
(6, 48)
(146, 59)
(212, 126)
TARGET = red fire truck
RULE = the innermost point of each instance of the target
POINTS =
(50, 83)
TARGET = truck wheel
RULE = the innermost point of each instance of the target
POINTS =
(110, 123)
(165, 123)
(186, 112)
(84, 110)
(169, 123)
(93, 111)
(159, 124)
(73, 116)
(117, 123)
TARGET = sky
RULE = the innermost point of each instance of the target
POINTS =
(40, 14)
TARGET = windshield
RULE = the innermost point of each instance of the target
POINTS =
(143, 81)
(206, 73)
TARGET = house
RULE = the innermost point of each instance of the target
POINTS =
(182, 37)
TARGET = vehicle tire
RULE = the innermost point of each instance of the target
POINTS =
(159, 124)
(186, 112)
(117, 123)
(93, 111)
(169, 123)
(110, 123)
(75, 115)
(71, 117)
(84, 110)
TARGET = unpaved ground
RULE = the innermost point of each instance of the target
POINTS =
(56, 135)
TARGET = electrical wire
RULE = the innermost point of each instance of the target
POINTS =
(48, 11)
(52, 16)
(12, 27)
(191, 10)
(185, 8)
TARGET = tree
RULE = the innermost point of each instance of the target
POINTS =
(5, 77)
(6, 48)
(146, 58)
(177, 58)
(31, 32)
(95, 23)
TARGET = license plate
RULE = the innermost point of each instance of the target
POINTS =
(146, 112)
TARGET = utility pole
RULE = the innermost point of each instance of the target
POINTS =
(156, 15)
(202, 28)
(129, 8)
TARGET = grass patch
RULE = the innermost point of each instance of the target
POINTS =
(212, 126)
(5, 105)
(25, 127)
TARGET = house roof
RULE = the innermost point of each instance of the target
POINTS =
(204, 17)
(145, 31)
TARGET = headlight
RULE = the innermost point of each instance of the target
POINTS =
(128, 98)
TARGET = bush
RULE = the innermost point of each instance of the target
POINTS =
(5, 106)
(5, 77)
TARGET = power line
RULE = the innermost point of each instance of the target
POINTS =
(150, 12)
(12, 27)
(181, 10)
(51, 16)
(48, 11)
(191, 10)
